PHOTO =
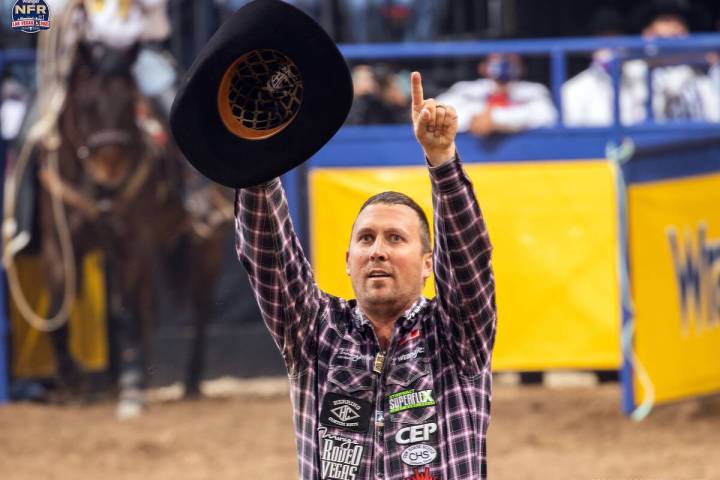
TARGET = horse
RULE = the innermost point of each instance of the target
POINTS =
(126, 194)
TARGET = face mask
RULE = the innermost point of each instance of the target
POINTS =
(503, 70)
(603, 59)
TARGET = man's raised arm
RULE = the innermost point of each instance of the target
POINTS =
(464, 281)
(280, 275)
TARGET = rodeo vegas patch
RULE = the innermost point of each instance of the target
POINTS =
(345, 412)
(340, 456)
(30, 16)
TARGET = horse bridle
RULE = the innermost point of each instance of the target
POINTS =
(91, 206)
(110, 136)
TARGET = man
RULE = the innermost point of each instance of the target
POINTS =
(390, 385)
(678, 91)
(501, 102)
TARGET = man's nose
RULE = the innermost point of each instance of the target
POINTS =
(378, 251)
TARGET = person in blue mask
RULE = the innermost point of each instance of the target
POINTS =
(679, 91)
(500, 102)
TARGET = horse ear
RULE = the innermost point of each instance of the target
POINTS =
(83, 55)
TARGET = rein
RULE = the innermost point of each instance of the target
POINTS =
(92, 208)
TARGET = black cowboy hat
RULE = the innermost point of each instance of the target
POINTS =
(268, 90)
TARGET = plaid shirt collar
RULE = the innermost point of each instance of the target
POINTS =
(406, 321)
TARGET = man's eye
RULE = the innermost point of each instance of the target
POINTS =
(395, 237)
(365, 238)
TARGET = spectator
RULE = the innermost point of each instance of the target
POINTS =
(393, 94)
(139, 29)
(679, 92)
(501, 102)
(121, 25)
(311, 7)
(13, 103)
(587, 98)
(379, 97)
(361, 20)
(390, 20)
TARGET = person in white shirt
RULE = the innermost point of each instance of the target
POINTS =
(501, 102)
(679, 92)
(13, 104)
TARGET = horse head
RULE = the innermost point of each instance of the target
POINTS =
(100, 121)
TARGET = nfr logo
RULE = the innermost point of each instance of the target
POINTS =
(30, 16)
(697, 275)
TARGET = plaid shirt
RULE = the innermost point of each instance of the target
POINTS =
(420, 412)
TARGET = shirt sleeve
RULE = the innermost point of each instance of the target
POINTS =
(464, 282)
(280, 275)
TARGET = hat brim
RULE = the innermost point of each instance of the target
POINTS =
(237, 162)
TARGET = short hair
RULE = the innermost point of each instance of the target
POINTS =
(397, 198)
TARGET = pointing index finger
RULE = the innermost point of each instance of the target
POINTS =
(416, 90)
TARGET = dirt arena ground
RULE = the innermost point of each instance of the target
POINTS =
(536, 433)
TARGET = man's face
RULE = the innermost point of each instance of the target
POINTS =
(385, 259)
(666, 26)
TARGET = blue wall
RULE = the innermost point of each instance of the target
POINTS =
(367, 146)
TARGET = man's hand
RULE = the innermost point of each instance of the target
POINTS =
(435, 125)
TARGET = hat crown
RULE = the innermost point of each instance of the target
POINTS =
(260, 94)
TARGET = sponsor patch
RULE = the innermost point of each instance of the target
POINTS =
(415, 333)
(348, 354)
(340, 456)
(30, 16)
(411, 398)
(379, 417)
(419, 454)
(411, 355)
(345, 412)
(415, 433)
(422, 476)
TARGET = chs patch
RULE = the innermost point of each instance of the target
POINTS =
(345, 412)
(419, 454)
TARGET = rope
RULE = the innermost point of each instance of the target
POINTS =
(52, 68)
(28, 314)
(618, 155)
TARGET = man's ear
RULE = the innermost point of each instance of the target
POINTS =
(347, 262)
(427, 265)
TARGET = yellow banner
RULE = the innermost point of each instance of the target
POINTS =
(32, 351)
(675, 276)
(554, 231)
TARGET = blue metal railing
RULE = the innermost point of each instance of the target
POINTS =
(15, 55)
(558, 49)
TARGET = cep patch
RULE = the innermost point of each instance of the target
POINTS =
(345, 412)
